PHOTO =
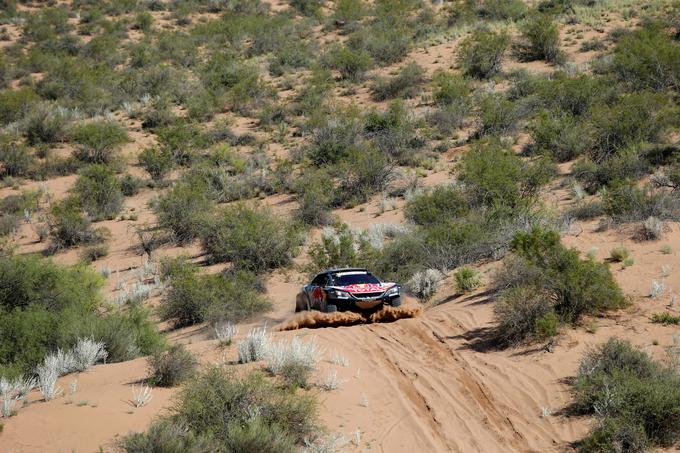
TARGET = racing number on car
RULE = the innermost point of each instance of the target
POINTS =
(318, 295)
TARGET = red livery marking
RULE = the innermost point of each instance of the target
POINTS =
(317, 294)
(365, 288)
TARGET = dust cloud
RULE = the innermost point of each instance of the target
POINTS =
(317, 319)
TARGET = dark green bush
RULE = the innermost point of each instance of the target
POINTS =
(254, 240)
(387, 40)
(99, 141)
(406, 83)
(339, 248)
(130, 185)
(172, 367)
(481, 54)
(635, 399)
(99, 191)
(94, 252)
(314, 190)
(562, 287)
(352, 64)
(307, 7)
(629, 163)
(68, 226)
(15, 157)
(214, 413)
(15, 104)
(449, 88)
(156, 162)
(634, 118)
(336, 135)
(494, 174)
(182, 211)
(559, 135)
(395, 133)
(44, 124)
(439, 204)
(648, 58)
(541, 39)
(363, 174)
(502, 9)
(193, 298)
(498, 115)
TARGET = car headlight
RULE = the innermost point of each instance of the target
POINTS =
(392, 292)
(340, 294)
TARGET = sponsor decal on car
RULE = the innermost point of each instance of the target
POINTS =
(318, 295)
(361, 288)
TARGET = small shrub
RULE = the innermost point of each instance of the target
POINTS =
(502, 9)
(524, 313)
(481, 54)
(94, 252)
(16, 159)
(352, 64)
(666, 249)
(559, 135)
(99, 192)
(466, 279)
(130, 185)
(156, 162)
(666, 319)
(99, 141)
(171, 367)
(435, 205)
(651, 229)
(294, 361)
(315, 197)
(307, 7)
(498, 115)
(250, 239)
(405, 84)
(68, 227)
(87, 352)
(619, 254)
(182, 211)
(633, 397)
(225, 332)
(194, 298)
(542, 39)
(424, 284)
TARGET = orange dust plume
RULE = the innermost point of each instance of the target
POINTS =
(317, 319)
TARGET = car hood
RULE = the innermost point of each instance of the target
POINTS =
(365, 288)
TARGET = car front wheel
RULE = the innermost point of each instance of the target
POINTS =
(396, 302)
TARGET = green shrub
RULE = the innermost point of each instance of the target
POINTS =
(44, 123)
(94, 252)
(172, 367)
(542, 39)
(648, 58)
(386, 40)
(562, 287)
(394, 132)
(15, 157)
(15, 104)
(167, 437)
(619, 254)
(363, 174)
(339, 247)
(634, 118)
(665, 318)
(307, 7)
(625, 202)
(436, 205)
(502, 9)
(498, 115)
(481, 54)
(216, 409)
(193, 298)
(156, 162)
(314, 189)
(182, 211)
(47, 306)
(352, 64)
(130, 185)
(449, 88)
(68, 226)
(494, 174)
(336, 135)
(405, 84)
(559, 135)
(99, 192)
(99, 141)
(644, 412)
(254, 240)
(466, 279)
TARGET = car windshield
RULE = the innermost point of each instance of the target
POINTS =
(353, 278)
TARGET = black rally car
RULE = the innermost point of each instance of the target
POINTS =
(347, 289)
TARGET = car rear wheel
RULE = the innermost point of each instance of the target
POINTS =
(331, 308)
(396, 302)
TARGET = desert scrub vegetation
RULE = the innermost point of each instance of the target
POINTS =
(250, 239)
(50, 306)
(182, 211)
(634, 398)
(406, 83)
(193, 298)
(540, 39)
(172, 367)
(221, 412)
(99, 192)
(481, 54)
(544, 284)
(98, 141)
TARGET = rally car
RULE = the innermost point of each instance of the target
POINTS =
(347, 289)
